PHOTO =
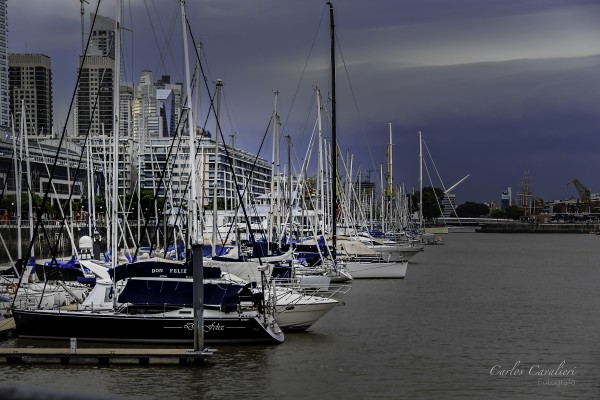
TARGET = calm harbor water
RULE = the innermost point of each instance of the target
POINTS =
(480, 317)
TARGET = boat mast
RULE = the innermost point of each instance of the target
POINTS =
(389, 186)
(193, 223)
(116, 125)
(196, 239)
(28, 176)
(90, 179)
(272, 223)
(321, 175)
(420, 182)
(289, 220)
(18, 174)
(333, 133)
(388, 190)
(382, 211)
(219, 88)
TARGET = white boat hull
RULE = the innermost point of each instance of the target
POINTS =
(296, 312)
(375, 270)
(397, 253)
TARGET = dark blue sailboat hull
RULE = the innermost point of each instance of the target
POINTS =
(140, 328)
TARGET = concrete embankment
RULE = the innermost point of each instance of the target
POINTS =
(525, 227)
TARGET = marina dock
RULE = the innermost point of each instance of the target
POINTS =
(103, 356)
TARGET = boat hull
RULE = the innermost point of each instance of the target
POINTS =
(397, 253)
(124, 328)
(376, 270)
(294, 311)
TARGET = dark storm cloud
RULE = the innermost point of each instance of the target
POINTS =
(498, 87)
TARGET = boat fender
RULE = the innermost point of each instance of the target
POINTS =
(11, 288)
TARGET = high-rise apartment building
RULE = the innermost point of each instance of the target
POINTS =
(253, 174)
(156, 107)
(4, 99)
(94, 107)
(30, 82)
(103, 35)
(125, 106)
(506, 198)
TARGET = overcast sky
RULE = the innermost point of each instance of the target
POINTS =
(498, 88)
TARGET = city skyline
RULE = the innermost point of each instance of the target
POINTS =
(497, 90)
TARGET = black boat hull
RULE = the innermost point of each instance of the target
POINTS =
(124, 328)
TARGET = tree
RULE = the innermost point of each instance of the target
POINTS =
(9, 203)
(432, 202)
(471, 209)
(510, 212)
(498, 214)
(147, 203)
(514, 212)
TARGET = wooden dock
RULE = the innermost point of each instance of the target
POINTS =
(103, 356)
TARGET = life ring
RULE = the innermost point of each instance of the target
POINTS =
(11, 288)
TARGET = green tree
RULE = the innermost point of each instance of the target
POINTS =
(147, 203)
(432, 202)
(510, 212)
(514, 212)
(498, 213)
(471, 209)
(9, 203)
(100, 203)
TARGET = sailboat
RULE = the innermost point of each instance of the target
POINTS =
(359, 267)
(155, 305)
(393, 218)
(20, 285)
(186, 308)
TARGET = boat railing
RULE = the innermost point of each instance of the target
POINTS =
(325, 291)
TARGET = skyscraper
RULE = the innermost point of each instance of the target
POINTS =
(156, 107)
(30, 81)
(94, 108)
(506, 199)
(4, 100)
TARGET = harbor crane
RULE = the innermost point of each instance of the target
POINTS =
(585, 194)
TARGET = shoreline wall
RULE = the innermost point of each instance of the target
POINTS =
(526, 227)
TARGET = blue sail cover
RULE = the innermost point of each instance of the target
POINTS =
(219, 250)
(159, 268)
(177, 292)
(72, 263)
(281, 271)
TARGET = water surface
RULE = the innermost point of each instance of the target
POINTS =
(468, 317)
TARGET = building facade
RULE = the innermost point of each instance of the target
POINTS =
(42, 153)
(169, 158)
(506, 199)
(156, 108)
(94, 111)
(4, 97)
(30, 82)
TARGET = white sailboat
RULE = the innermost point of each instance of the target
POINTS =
(160, 309)
(367, 267)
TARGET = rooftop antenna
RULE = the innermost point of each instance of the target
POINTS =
(82, 33)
